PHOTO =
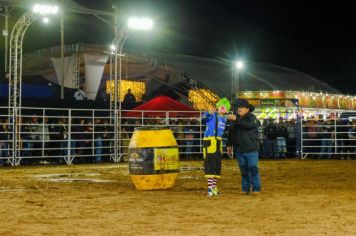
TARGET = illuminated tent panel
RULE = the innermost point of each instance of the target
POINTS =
(306, 99)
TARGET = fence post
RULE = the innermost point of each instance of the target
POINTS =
(93, 132)
(167, 118)
(43, 130)
(301, 138)
(17, 137)
(69, 144)
(335, 136)
(14, 133)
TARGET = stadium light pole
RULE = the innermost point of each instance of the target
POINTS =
(237, 67)
(133, 24)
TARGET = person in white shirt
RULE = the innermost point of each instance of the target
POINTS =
(79, 95)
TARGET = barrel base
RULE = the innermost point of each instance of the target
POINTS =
(152, 182)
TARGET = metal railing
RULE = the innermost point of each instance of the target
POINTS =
(329, 138)
(51, 135)
(6, 135)
(86, 136)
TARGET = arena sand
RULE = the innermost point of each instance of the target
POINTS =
(299, 198)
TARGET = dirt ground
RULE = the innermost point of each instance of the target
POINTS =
(298, 198)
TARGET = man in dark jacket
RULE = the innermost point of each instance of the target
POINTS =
(129, 101)
(243, 139)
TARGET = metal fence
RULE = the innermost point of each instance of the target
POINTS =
(6, 135)
(49, 135)
(86, 136)
(328, 138)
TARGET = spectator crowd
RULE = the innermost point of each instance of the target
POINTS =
(90, 140)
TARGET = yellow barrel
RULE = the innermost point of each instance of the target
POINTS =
(153, 158)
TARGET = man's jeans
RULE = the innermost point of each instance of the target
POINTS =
(281, 147)
(248, 164)
(188, 147)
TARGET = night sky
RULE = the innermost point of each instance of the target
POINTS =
(315, 38)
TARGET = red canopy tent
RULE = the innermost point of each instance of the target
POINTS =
(159, 106)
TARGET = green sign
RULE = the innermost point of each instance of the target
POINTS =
(273, 102)
(267, 102)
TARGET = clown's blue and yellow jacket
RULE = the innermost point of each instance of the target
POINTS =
(212, 141)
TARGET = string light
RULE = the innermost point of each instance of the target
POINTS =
(306, 99)
(202, 99)
(138, 89)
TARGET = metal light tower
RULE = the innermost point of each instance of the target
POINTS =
(115, 112)
(15, 69)
(116, 47)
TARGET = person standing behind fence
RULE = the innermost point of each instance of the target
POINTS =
(89, 151)
(99, 130)
(27, 145)
(341, 137)
(271, 132)
(188, 139)
(45, 135)
(311, 136)
(327, 136)
(125, 142)
(243, 140)
(180, 135)
(212, 143)
(35, 129)
(106, 139)
(78, 136)
(55, 138)
(280, 147)
(63, 136)
(291, 140)
(4, 152)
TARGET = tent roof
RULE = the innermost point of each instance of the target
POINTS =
(216, 75)
(158, 107)
(182, 69)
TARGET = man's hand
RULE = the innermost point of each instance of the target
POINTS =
(229, 150)
(231, 117)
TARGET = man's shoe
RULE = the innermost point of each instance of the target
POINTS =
(243, 193)
(255, 193)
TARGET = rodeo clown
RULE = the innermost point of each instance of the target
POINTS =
(212, 143)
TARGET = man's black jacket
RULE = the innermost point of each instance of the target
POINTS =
(243, 133)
